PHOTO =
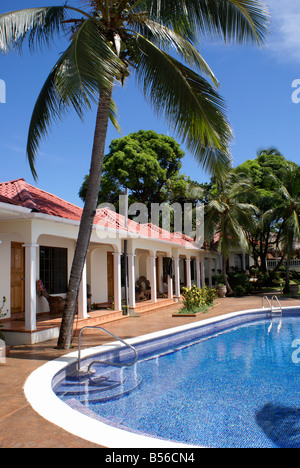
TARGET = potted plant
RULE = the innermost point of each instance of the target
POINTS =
(294, 289)
(222, 289)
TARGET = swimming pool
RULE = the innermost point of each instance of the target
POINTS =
(226, 382)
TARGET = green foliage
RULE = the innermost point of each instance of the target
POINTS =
(276, 182)
(196, 298)
(240, 283)
(227, 215)
(219, 279)
(148, 165)
(239, 291)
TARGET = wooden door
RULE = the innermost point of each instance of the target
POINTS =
(17, 278)
(110, 276)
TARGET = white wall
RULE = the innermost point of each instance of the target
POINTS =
(97, 277)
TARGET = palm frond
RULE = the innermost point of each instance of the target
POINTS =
(46, 109)
(38, 25)
(166, 39)
(187, 101)
(87, 66)
(241, 21)
(113, 116)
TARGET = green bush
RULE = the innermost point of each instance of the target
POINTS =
(195, 298)
(240, 283)
(239, 291)
(219, 279)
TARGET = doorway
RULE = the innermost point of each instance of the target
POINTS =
(17, 293)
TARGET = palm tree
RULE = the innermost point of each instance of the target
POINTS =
(289, 213)
(108, 40)
(228, 217)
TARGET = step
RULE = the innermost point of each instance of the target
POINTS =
(276, 310)
(79, 384)
(97, 318)
(144, 307)
(103, 385)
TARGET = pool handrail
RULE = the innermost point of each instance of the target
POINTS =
(263, 300)
(115, 364)
(273, 309)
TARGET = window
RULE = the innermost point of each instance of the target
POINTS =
(53, 269)
(238, 262)
(193, 267)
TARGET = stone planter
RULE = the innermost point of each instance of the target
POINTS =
(222, 290)
(294, 289)
(4, 351)
(197, 314)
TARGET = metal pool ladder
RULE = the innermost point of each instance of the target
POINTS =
(275, 310)
(115, 364)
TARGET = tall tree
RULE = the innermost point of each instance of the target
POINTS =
(108, 40)
(228, 217)
(289, 214)
(148, 165)
(143, 162)
(268, 172)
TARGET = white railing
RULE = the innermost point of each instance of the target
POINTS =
(294, 263)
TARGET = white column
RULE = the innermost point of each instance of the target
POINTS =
(188, 272)
(153, 279)
(131, 281)
(198, 273)
(82, 296)
(117, 281)
(177, 278)
(30, 285)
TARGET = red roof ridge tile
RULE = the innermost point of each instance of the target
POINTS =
(36, 189)
(25, 195)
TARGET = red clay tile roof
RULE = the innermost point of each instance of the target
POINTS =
(23, 194)
(6, 200)
(19, 192)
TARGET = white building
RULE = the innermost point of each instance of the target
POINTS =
(38, 233)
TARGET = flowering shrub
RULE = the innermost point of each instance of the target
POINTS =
(195, 298)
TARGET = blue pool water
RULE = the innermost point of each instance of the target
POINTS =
(236, 388)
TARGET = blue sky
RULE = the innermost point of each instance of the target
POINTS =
(255, 83)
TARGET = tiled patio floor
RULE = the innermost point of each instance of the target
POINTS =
(22, 427)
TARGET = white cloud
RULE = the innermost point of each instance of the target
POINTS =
(284, 40)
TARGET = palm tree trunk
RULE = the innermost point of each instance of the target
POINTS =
(224, 263)
(286, 288)
(87, 220)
